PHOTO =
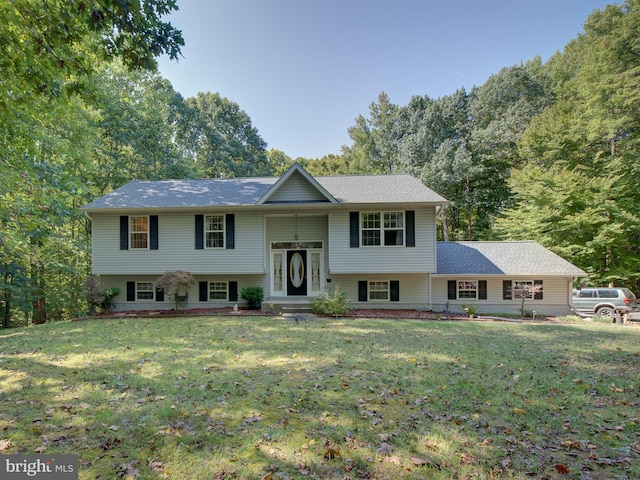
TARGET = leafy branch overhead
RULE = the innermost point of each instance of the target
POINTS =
(540, 151)
(48, 46)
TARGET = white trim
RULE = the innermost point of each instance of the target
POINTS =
(205, 230)
(284, 272)
(296, 167)
(132, 232)
(382, 228)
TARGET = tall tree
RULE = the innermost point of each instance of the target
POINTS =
(591, 135)
(375, 145)
(437, 147)
(222, 139)
(49, 51)
(139, 116)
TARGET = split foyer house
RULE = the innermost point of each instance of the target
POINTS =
(298, 237)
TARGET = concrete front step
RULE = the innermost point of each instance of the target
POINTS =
(287, 306)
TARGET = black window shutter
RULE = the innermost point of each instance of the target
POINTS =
(354, 229)
(538, 295)
(507, 294)
(452, 290)
(233, 291)
(124, 232)
(203, 288)
(131, 291)
(362, 290)
(394, 287)
(199, 232)
(410, 228)
(482, 290)
(153, 230)
(230, 225)
(159, 294)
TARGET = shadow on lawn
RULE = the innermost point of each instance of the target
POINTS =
(247, 396)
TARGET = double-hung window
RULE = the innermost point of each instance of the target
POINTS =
(518, 289)
(214, 231)
(139, 232)
(468, 289)
(144, 291)
(218, 290)
(382, 228)
(379, 290)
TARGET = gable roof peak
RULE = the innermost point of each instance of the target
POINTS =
(296, 169)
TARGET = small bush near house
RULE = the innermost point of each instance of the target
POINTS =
(97, 296)
(471, 310)
(334, 303)
(177, 284)
(253, 296)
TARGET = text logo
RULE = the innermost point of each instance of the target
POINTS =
(39, 467)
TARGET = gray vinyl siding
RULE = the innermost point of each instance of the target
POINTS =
(121, 304)
(381, 259)
(414, 290)
(296, 189)
(556, 292)
(311, 228)
(177, 250)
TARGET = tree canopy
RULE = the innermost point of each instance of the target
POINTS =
(542, 151)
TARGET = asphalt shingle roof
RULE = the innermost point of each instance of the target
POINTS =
(501, 258)
(247, 191)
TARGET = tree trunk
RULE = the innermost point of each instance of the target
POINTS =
(39, 310)
(469, 208)
(445, 226)
(6, 318)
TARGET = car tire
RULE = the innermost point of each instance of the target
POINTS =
(607, 313)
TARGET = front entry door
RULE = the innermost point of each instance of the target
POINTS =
(296, 272)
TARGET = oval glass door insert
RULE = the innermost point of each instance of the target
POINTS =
(296, 270)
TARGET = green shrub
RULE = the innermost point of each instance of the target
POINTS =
(335, 303)
(253, 296)
(109, 293)
(176, 283)
(470, 309)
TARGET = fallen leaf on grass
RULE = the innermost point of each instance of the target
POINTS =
(156, 466)
(570, 444)
(5, 444)
(251, 420)
(562, 469)
(418, 461)
(332, 454)
(384, 449)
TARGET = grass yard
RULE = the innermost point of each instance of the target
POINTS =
(266, 398)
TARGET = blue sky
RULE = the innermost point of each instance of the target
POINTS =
(303, 70)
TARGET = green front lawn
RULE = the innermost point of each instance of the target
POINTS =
(261, 397)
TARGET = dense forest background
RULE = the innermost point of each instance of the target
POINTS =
(542, 151)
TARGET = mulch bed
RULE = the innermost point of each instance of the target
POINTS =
(361, 313)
